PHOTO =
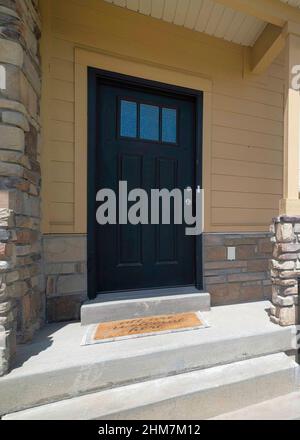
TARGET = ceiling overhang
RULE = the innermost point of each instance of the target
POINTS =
(208, 16)
(258, 25)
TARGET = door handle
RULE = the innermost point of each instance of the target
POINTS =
(198, 189)
(188, 201)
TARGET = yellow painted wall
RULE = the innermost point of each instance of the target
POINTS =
(244, 168)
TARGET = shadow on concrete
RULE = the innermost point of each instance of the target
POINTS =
(42, 341)
(298, 326)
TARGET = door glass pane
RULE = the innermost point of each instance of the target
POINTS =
(149, 122)
(169, 129)
(128, 124)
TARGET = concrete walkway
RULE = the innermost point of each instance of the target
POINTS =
(56, 366)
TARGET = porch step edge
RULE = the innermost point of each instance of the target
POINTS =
(196, 395)
(285, 407)
(58, 383)
(126, 305)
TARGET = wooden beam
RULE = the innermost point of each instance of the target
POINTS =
(267, 48)
(270, 11)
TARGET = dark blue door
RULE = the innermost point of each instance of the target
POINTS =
(146, 138)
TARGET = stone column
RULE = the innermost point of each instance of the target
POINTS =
(285, 265)
(285, 270)
(21, 282)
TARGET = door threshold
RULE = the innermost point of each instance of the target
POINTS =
(145, 293)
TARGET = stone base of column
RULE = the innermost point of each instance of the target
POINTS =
(7, 350)
(285, 270)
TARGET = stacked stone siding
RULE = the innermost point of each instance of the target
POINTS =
(21, 282)
(285, 270)
(229, 282)
(66, 275)
(246, 278)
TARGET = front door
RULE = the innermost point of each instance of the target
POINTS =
(145, 137)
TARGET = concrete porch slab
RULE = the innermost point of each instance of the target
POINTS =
(54, 366)
(127, 305)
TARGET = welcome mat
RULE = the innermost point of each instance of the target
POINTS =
(141, 327)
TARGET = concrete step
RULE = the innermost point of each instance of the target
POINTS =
(127, 305)
(281, 408)
(195, 395)
(54, 366)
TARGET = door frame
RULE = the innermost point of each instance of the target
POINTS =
(94, 75)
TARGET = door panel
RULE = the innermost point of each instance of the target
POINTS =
(146, 138)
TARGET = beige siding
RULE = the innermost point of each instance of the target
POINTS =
(245, 180)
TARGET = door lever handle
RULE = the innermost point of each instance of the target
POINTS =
(188, 201)
(188, 188)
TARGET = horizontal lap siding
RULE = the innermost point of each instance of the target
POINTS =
(247, 185)
(247, 114)
(61, 110)
(247, 156)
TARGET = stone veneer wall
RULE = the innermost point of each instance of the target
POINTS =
(66, 275)
(21, 282)
(229, 282)
(245, 279)
(285, 270)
